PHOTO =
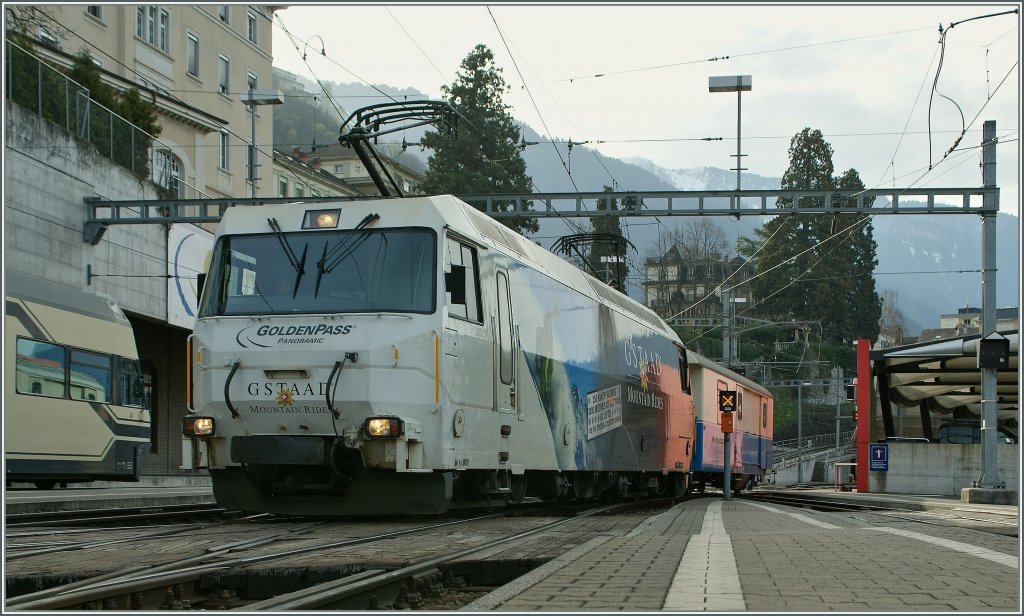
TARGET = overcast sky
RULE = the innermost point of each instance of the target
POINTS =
(863, 75)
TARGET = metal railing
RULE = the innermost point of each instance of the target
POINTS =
(42, 89)
(786, 453)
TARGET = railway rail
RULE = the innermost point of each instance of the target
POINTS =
(104, 516)
(147, 587)
(993, 523)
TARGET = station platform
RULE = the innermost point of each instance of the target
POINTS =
(709, 554)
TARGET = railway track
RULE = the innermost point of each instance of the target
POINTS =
(186, 582)
(91, 517)
(992, 524)
(815, 503)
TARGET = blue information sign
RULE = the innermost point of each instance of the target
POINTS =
(878, 453)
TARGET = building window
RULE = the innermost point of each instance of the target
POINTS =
(167, 172)
(48, 37)
(224, 143)
(250, 161)
(300, 191)
(250, 85)
(153, 25)
(224, 71)
(95, 10)
(251, 26)
(165, 31)
(223, 13)
(339, 169)
(282, 187)
(192, 54)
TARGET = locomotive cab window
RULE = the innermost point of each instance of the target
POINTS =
(389, 270)
(40, 368)
(462, 281)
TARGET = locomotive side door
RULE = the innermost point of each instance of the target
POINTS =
(505, 348)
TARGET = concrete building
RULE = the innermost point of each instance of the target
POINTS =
(343, 162)
(673, 283)
(968, 320)
(193, 62)
(296, 175)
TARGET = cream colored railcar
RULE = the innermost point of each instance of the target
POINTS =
(73, 397)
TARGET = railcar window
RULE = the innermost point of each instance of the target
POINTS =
(764, 414)
(504, 330)
(91, 376)
(684, 372)
(131, 383)
(739, 405)
(391, 270)
(40, 368)
(457, 253)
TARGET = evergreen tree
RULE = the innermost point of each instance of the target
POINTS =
(805, 273)
(857, 235)
(483, 156)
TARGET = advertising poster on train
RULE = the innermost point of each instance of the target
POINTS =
(604, 411)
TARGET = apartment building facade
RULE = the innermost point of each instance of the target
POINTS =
(194, 62)
(676, 287)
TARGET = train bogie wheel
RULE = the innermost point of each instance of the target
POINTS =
(680, 485)
(518, 490)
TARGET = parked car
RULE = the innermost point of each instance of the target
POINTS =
(966, 432)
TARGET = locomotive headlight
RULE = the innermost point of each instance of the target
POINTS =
(194, 425)
(321, 219)
(383, 427)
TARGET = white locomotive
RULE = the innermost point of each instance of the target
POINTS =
(406, 355)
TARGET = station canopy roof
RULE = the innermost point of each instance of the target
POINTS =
(944, 374)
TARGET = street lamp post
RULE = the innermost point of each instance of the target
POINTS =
(252, 98)
(738, 84)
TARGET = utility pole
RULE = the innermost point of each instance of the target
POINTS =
(799, 435)
(990, 467)
(837, 380)
(726, 329)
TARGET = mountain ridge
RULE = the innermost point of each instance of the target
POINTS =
(939, 244)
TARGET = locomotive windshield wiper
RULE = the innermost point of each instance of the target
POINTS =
(298, 264)
(322, 267)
